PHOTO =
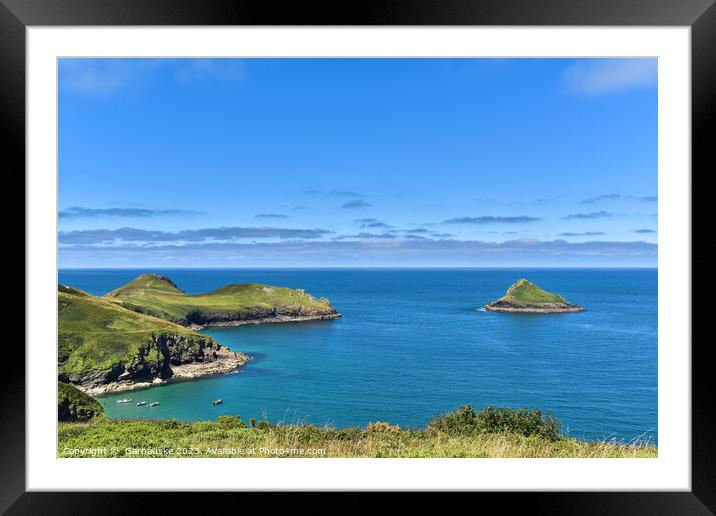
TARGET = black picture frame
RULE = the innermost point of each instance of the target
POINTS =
(700, 15)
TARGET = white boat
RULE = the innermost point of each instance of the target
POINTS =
(126, 400)
(141, 403)
(217, 402)
(154, 404)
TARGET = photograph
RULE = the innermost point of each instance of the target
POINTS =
(357, 257)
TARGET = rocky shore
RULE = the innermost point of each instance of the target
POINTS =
(226, 362)
(274, 319)
(542, 308)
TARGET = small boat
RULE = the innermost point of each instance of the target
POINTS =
(141, 403)
(154, 404)
(125, 400)
(217, 402)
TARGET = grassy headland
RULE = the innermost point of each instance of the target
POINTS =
(461, 433)
(143, 332)
(157, 295)
(104, 346)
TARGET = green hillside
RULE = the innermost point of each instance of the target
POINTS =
(157, 295)
(526, 292)
(99, 340)
(75, 405)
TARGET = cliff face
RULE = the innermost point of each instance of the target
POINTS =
(155, 362)
(255, 315)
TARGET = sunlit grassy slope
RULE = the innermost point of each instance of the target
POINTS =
(526, 292)
(96, 334)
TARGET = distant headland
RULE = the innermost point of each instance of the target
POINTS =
(526, 297)
(231, 305)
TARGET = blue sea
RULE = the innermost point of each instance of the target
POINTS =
(414, 342)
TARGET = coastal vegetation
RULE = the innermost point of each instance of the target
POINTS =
(525, 296)
(491, 432)
(104, 346)
(157, 295)
(75, 405)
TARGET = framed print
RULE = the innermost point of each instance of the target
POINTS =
(445, 248)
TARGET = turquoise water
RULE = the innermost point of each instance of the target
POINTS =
(413, 343)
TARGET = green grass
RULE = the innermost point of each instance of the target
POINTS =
(159, 296)
(107, 438)
(96, 334)
(526, 292)
(75, 405)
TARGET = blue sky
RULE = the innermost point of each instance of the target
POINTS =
(357, 162)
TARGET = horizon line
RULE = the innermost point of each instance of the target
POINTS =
(357, 268)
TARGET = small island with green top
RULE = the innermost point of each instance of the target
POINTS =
(526, 297)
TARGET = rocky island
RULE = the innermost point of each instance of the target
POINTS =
(526, 297)
(145, 332)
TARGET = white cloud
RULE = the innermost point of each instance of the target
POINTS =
(100, 75)
(601, 76)
(107, 75)
(365, 250)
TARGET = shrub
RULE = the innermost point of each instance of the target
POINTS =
(171, 424)
(252, 422)
(230, 422)
(459, 421)
(466, 420)
(382, 427)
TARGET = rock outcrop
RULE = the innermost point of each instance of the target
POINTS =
(257, 315)
(163, 357)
